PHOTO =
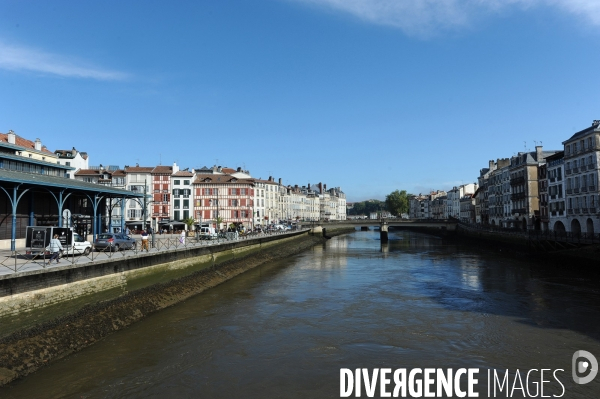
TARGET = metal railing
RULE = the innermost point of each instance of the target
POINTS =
(20, 260)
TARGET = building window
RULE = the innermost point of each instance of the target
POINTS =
(176, 182)
(176, 204)
(186, 182)
(176, 215)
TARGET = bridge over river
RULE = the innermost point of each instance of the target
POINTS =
(384, 224)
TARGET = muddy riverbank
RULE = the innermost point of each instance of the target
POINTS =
(25, 351)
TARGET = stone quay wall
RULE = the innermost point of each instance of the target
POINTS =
(48, 318)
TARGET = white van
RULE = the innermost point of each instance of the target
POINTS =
(208, 233)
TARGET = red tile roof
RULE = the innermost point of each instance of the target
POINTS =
(184, 173)
(162, 169)
(139, 169)
(221, 179)
(21, 142)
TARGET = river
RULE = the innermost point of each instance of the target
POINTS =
(285, 329)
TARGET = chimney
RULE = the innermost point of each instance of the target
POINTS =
(280, 181)
(11, 137)
(37, 145)
(320, 185)
(538, 152)
(491, 164)
(239, 169)
(595, 123)
(325, 187)
(73, 152)
(175, 167)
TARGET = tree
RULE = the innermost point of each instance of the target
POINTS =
(397, 202)
(190, 223)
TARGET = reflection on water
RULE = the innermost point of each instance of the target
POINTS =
(285, 329)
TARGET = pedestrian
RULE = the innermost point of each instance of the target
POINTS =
(144, 240)
(55, 248)
(182, 238)
(127, 231)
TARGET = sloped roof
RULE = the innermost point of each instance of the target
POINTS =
(139, 169)
(583, 133)
(221, 179)
(23, 143)
(90, 172)
(183, 173)
(162, 170)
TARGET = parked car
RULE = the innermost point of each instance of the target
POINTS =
(114, 242)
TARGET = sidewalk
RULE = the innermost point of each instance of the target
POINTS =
(19, 262)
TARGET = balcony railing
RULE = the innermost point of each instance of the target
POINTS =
(569, 191)
(583, 189)
(517, 180)
(576, 190)
(567, 171)
(517, 196)
(576, 210)
(591, 166)
(592, 188)
(520, 211)
(584, 210)
(575, 170)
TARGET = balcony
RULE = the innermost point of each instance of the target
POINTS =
(567, 171)
(517, 180)
(576, 190)
(592, 188)
(583, 189)
(517, 196)
(569, 191)
(569, 211)
(520, 211)
(576, 210)
(552, 179)
(591, 166)
(592, 210)
(584, 210)
(575, 170)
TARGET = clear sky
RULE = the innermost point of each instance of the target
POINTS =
(368, 95)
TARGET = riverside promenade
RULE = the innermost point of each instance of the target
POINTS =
(18, 263)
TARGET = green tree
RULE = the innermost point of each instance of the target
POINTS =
(397, 202)
(190, 223)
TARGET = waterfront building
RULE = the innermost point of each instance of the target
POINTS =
(467, 208)
(223, 199)
(525, 188)
(543, 195)
(181, 198)
(557, 218)
(499, 203)
(439, 208)
(454, 196)
(483, 181)
(140, 211)
(581, 160)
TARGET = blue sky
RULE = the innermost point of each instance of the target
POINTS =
(371, 96)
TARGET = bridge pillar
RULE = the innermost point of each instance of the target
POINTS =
(364, 228)
(383, 232)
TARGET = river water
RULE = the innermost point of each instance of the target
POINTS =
(284, 330)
